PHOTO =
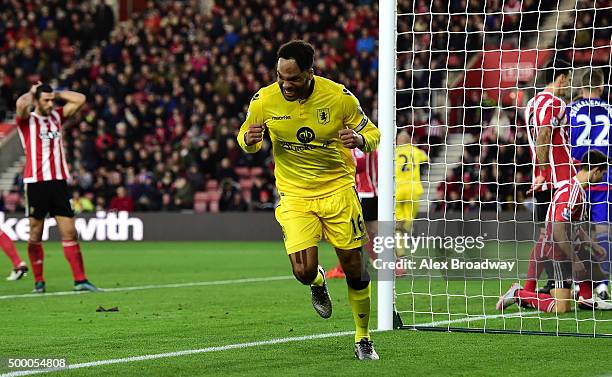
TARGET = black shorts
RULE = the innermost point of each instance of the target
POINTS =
(560, 272)
(370, 209)
(542, 202)
(48, 197)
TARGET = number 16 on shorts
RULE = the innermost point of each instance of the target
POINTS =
(358, 226)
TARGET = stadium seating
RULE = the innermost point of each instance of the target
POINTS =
(12, 202)
(183, 106)
(508, 167)
(200, 201)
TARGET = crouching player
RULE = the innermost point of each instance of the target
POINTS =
(567, 208)
(589, 118)
(600, 198)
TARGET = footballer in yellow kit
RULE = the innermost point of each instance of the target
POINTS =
(408, 186)
(313, 123)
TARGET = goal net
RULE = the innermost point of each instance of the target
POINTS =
(465, 222)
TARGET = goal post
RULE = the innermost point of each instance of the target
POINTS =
(386, 155)
(454, 83)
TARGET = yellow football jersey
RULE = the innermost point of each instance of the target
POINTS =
(310, 160)
(408, 160)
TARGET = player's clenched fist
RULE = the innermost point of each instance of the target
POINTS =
(351, 139)
(254, 135)
(34, 87)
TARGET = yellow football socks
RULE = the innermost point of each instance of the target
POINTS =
(318, 281)
(360, 304)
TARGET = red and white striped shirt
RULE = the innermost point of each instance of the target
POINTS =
(41, 138)
(548, 110)
(568, 205)
(367, 173)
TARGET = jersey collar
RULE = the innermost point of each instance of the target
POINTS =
(576, 181)
(39, 116)
(310, 91)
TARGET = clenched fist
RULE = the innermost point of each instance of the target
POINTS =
(255, 134)
(351, 139)
(34, 87)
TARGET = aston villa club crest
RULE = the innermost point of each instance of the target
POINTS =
(323, 115)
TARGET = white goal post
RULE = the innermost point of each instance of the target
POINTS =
(386, 153)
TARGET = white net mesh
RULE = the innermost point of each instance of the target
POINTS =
(465, 73)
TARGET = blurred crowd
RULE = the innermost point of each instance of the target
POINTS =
(437, 40)
(168, 89)
(495, 172)
(39, 39)
(588, 31)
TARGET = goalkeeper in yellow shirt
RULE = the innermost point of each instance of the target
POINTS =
(408, 186)
(313, 123)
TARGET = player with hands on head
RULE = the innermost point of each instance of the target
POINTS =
(40, 125)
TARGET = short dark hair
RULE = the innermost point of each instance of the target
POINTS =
(594, 159)
(593, 78)
(43, 88)
(300, 51)
(556, 68)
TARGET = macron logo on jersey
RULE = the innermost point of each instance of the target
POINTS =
(282, 117)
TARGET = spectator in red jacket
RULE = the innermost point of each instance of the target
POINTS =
(122, 201)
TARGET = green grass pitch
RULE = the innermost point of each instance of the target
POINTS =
(183, 317)
(460, 302)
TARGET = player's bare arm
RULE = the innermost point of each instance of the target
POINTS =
(74, 101)
(543, 143)
(539, 181)
(562, 241)
(254, 134)
(596, 249)
(26, 101)
(351, 139)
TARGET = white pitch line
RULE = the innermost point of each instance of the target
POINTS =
(471, 319)
(235, 346)
(158, 286)
(180, 353)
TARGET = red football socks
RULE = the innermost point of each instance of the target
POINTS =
(534, 270)
(72, 252)
(10, 250)
(37, 255)
(541, 301)
(586, 289)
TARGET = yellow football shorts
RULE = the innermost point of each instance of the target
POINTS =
(407, 208)
(337, 218)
